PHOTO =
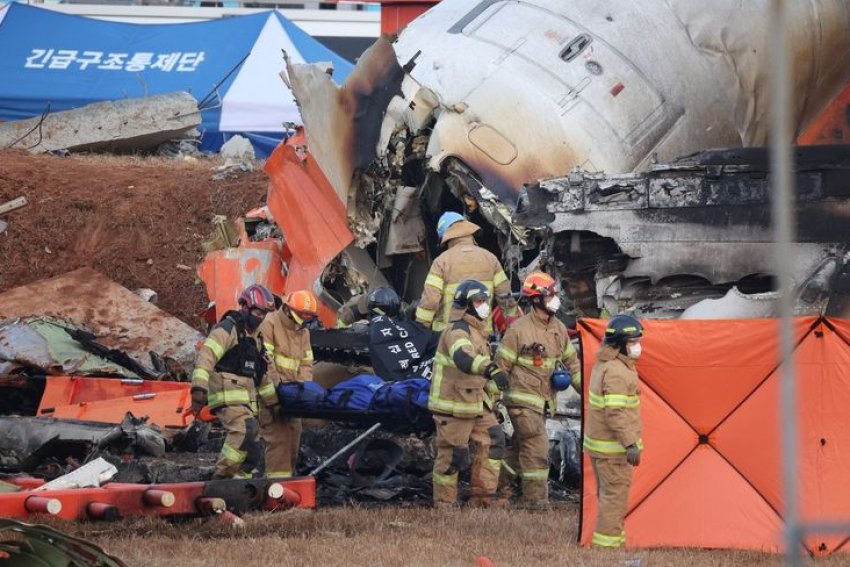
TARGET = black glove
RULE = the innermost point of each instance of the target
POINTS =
(633, 455)
(497, 375)
(199, 400)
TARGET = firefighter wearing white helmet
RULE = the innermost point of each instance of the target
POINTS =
(613, 426)
(462, 260)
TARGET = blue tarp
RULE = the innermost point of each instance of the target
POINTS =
(64, 61)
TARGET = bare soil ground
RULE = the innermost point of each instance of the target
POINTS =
(134, 219)
(388, 537)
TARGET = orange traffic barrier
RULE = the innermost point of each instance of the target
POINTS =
(710, 473)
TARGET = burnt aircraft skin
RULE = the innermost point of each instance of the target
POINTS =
(704, 218)
(584, 89)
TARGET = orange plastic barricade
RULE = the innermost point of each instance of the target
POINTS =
(710, 473)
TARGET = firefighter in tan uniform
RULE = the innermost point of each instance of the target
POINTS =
(463, 260)
(463, 375)
(287, 341)
(532, 351)
(613, 426)
(229, 369)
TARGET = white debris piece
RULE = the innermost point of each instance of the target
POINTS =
(237, 147)
(89, 475)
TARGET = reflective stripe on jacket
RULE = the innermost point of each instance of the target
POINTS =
(613, 409)
(223, 388)
(291, 351)
(463, 260)
(458, 385)
(530, 369)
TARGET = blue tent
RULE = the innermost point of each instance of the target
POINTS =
(232, 65)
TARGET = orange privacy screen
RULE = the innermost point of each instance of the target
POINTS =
(710, 472)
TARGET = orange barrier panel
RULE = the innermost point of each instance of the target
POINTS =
(165, 409)
(70, 390)
(710, 473)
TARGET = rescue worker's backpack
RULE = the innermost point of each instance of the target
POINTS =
(246, 358)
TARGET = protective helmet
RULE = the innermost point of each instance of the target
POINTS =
(539, 284)
(621, 328)
(383, 301)
(257, 296)
(447, 220)
(303, 303)
(468, 291)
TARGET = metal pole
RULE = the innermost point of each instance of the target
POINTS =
(782, 209)
(342, 451)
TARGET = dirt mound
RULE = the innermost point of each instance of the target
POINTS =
(133, 219)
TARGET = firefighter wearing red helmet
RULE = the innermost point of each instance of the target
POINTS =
(533, 352)
(229, 368)
(612, 434)
(287, 342)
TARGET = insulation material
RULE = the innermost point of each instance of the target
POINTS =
(710, 473)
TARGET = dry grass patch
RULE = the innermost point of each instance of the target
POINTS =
(388, 537)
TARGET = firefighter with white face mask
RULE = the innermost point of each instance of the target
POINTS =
(533, 352)
(613, 426)
(460, 400)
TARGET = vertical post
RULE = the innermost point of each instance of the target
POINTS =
(782, 202)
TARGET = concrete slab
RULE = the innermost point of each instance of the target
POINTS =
(116, 126)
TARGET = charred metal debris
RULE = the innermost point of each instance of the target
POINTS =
(689, 238)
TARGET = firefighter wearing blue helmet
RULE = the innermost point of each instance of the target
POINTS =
(462, 260)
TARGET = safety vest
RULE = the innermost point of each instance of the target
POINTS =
(230, 364)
